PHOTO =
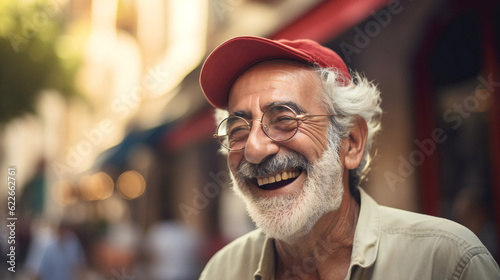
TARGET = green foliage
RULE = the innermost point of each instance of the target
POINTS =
(33, 55)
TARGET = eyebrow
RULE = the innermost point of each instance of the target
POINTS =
(290, 104)
(293, 105)
(242, 114)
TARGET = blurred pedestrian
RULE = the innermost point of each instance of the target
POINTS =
(174, 249)
(64, 258)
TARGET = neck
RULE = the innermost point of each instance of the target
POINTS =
(325, 252)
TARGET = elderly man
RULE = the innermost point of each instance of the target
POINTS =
(298, 128)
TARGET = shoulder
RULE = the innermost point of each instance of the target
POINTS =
(238, 260)
(420, 226)
(448, 247)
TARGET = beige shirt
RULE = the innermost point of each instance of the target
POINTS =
(388, 244)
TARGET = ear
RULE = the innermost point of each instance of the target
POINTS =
(356, 143)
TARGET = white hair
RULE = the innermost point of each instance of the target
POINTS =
(348, 98)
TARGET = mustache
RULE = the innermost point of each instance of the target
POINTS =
(272, 165)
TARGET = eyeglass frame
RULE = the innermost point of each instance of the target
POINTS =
(298, 118)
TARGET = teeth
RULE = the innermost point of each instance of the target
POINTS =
(278, 177)
(285, 175)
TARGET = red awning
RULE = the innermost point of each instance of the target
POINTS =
(329, 19)
(195, 129)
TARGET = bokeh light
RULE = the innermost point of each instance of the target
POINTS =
(98, 186)
(131, 184)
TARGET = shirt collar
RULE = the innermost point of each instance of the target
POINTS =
(266, 267)
(366, 236)
(365, 245)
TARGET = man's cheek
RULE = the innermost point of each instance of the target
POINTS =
(233, 162)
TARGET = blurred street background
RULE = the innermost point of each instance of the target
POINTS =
(108, 138)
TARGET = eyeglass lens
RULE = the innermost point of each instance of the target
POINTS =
(279, 123)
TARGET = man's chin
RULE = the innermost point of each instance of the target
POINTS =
(280, 217)
(290, 237)
(280, 226)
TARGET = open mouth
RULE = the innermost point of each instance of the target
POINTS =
(276, 181)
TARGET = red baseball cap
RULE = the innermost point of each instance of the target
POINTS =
(229, 60)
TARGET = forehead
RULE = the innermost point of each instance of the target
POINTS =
(275, 81)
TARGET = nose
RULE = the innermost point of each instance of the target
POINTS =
(259, 146)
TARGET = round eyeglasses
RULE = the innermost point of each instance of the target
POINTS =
(279, 122)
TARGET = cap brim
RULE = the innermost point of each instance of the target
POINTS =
(226, 63)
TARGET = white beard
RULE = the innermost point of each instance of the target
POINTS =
(289, 217)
